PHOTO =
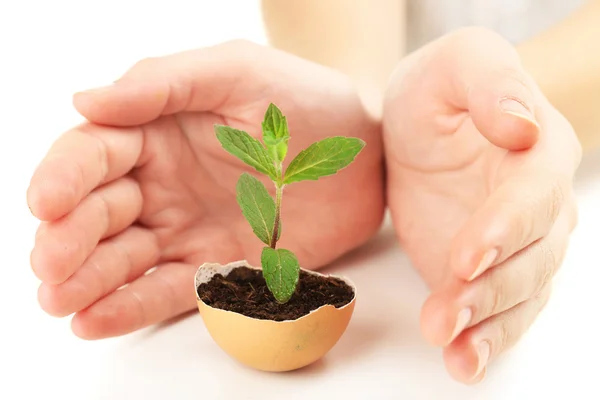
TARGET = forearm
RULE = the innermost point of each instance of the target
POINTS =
(565, 62)
(358, 38)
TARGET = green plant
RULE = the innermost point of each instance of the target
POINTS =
(280, 267)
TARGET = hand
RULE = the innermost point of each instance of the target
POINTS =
(146, 183)
(480, 167)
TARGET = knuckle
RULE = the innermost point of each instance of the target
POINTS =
(553, 199)
(102, 209)
(142, 67)
(102, 150)
(547, 262)
(145, 63)
(241, 49)
(134, 195)
(521, 226)
(505, 333)
(171, 299)
(511, 325)
(511, 223)
(497, 296)
(518, 221)
(122, 258)
(98, 145)
(98, 271)
(75, 172)
(513, 74)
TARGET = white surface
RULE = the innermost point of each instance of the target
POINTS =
(50, 50)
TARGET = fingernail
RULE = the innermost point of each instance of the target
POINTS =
(483, 373)
(510, 105)
(462, 320)
(486, 262)
(483, 352)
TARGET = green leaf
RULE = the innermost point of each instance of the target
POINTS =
(323, 158)
(275, 133)
(257, 207)
(246, 148)
(281, 271)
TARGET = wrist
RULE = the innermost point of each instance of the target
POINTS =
(563, 63)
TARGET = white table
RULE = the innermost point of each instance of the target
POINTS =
(381, 356)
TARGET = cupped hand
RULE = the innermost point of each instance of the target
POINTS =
(480, 168)
(144, 183)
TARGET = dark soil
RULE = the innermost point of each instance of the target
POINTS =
(245, 291)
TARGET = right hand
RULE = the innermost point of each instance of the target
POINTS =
(480, 168)
(144, 183)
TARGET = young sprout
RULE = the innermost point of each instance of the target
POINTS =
(280, 267)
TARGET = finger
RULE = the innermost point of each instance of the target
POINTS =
(524, 205)
(79, 161)
(473, 351)
(115, 262)
(62, 246)
(150, 299)
(482, 72)
(519, 212)
(196, 80)
(460, 305)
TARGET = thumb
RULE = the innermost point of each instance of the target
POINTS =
(486, 76)
(195, 80)
(124, 103)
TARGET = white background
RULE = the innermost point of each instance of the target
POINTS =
(51, 49)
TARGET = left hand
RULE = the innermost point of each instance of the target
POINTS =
(145, 183)
(480, 169)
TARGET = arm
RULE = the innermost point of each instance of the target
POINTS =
(366, 42)
(361, 40)
(565, 62)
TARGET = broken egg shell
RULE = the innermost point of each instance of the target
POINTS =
(267, 345)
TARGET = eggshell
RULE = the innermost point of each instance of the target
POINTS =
(273, 346)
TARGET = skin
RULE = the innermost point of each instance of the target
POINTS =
(462, 176)
(492, 179)
(367, 42)
(564, 60)
(344, 35)
(144, 183)
(480, 192)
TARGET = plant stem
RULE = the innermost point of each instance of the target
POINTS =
(278, 195)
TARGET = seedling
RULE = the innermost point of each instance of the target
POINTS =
(280, 267)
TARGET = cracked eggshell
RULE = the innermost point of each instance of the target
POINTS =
(267, 345)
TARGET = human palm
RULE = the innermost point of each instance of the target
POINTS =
(437, 192)
(480, 168)
(163, 193)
